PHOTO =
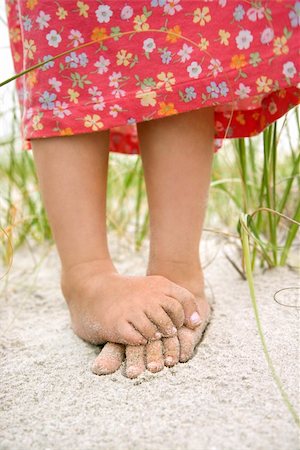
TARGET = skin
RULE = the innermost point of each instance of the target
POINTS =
(104, 305)
(177, 148)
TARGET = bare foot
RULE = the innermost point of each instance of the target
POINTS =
(167, 351)
(106, 306)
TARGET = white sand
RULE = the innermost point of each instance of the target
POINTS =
(224, 398)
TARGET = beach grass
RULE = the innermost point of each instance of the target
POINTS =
(254, 203)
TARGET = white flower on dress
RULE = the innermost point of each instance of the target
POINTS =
(42, 20)
(61, 110)
(103, 13)
(194, 69)
(185, 52)
(255, 14)
(29, 113)
(102, 65)
(267, 35)
(55, 84)
(114, 110)
(118, 92)
(126, 12)
(172, 6)
(215, 66)
(243, 39)
(76, 37)
(243, 91)
(53, 38)
(94, 92)
(114, 79)
(149, 45)
(289, 69)
(98, 103)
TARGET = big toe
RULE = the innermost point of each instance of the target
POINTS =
(109, 359)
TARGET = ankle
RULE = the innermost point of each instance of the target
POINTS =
(78, 272)
(187, 273)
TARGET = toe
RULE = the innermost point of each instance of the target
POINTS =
(188, 302)
(135, 362)
(128, 335)
(145, 327)
(186, 339)
(109, 359)
(163, 322)
(154, 356)
(171, 351)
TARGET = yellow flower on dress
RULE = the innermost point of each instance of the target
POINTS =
(61, 13)
(140, 23)
(93, 122)
(173, 37)
(36, 122)
(73, 95)
(202, 16)
(31, 78)
(83, 9)
(240, 118)
(167, 79)
(147, 96)
(224, 36)
(204, 43)
(238, 61)
(280, 46)
(66, 132)
(167, 109)
(31, 4)
(15, 35)
(123, 58)
(263, 84)
(99, 34)
(30, 48)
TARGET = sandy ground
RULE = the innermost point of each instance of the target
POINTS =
(224, 398)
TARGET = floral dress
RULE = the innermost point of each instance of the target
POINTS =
(111, 64)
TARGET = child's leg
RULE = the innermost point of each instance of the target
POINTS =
(177, 155)
(177, 158)
(104, 305)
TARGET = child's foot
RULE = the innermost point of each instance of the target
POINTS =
(106, 306)
(167, 351)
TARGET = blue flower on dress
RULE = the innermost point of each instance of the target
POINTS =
(47, 100)
(223, 88)
(155, 3)
(239, 13)
(294, 15)
(83, 59)
(166, 56)
(48, 64)
(190, 93)
(213, 89)
(27, 23)
(72, 59)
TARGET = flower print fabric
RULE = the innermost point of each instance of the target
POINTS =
(125, 62)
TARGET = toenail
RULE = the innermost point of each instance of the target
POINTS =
(173, 330)
(195, 318)
(133, 371)
(169, 360)
(99, 370)
(152, 366)
(158, 335)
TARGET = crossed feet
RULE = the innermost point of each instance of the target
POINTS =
(153, 321)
